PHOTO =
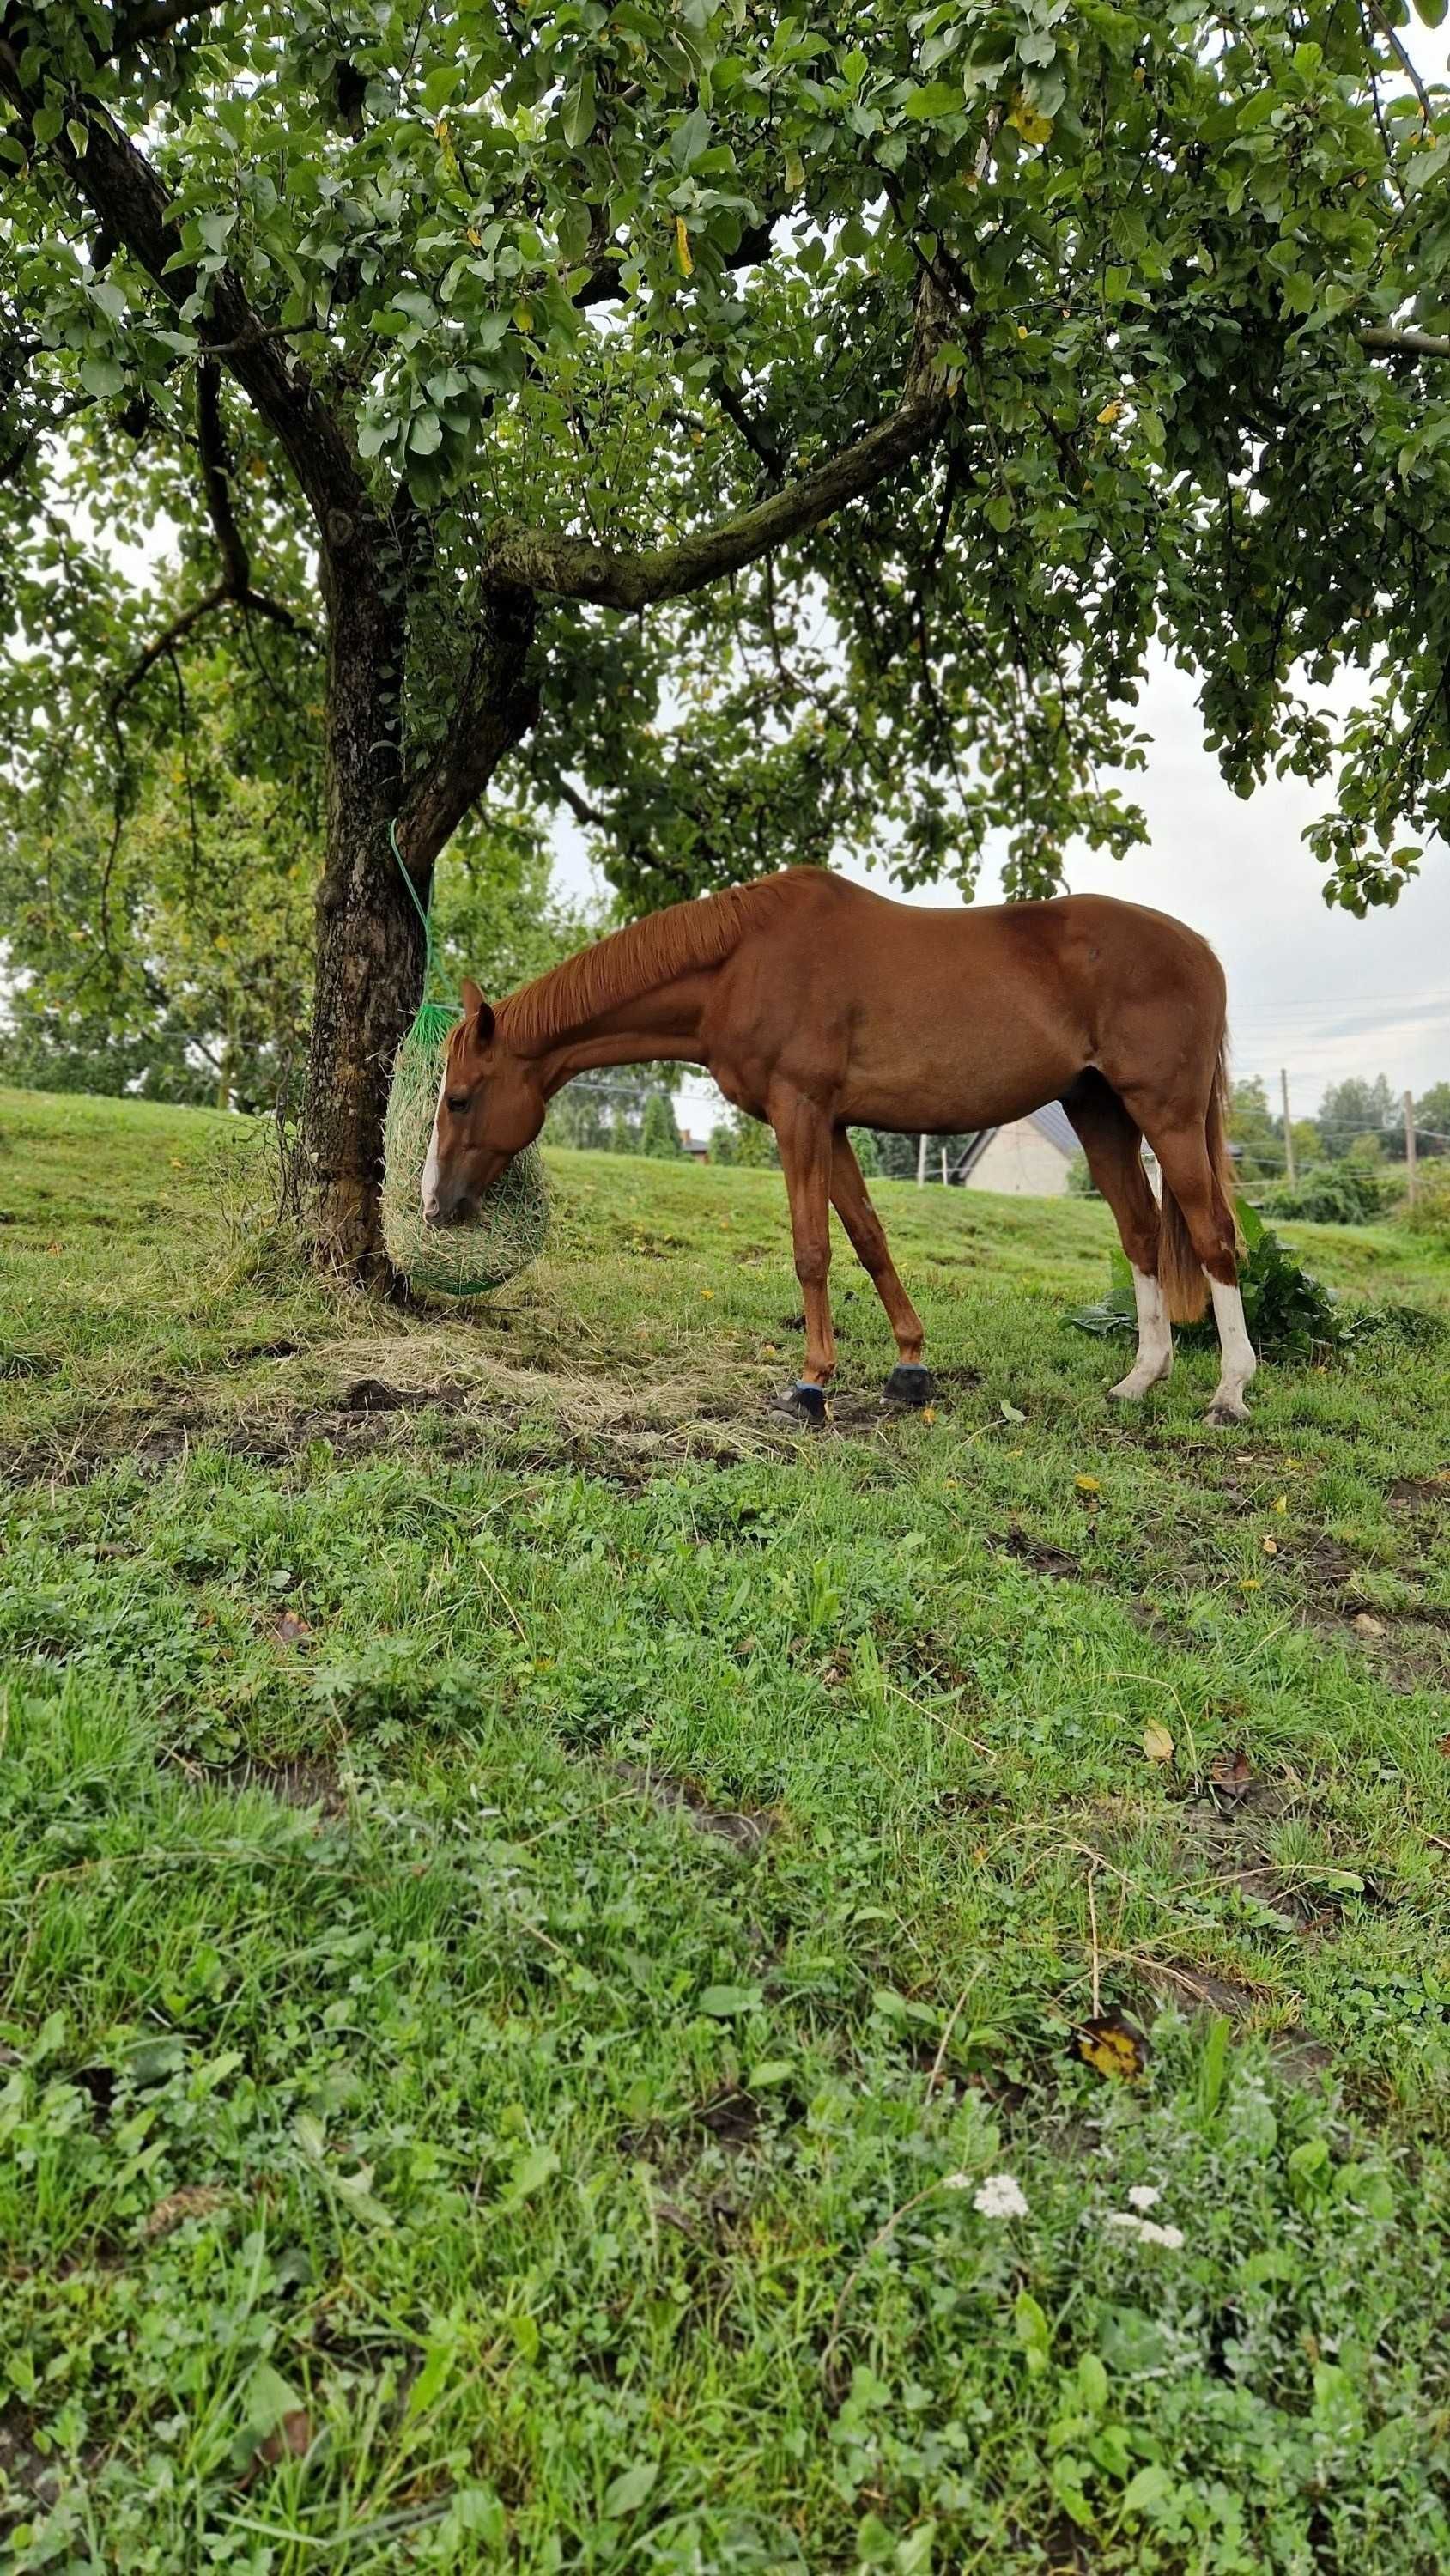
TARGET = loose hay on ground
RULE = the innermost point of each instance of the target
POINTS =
(513, 1220)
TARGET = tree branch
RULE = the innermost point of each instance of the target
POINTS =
(574, 569)
(150, 26)
(125, 192)
(1405, 62)
(498, 703)
(1407, 344)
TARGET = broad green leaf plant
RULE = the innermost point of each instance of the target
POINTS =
(769, 434)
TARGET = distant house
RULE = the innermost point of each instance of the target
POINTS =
(1028, 1159)
(697, 1147)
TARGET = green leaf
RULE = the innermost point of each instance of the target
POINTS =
(535, 2167)
(1034, 2334)
(724, 2003)
(934, 99)
(579, 113)
(101, 373)
(690, 138)
(626, 2493)
(1151, 2486)
(267, 2398)
(1431, 13)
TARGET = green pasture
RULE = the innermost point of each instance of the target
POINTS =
(534, 1897)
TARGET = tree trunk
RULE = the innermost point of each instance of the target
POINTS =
(370, 945)
(370, 948)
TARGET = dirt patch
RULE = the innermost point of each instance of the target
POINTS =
(1415, 1490)
(298, 1782)
(1053, 1561)
(747, 1828)
(733, 2118)
(1202, 1992)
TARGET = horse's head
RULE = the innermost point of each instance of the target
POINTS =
(490, 1105)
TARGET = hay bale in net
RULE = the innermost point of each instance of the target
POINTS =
(513, 1217)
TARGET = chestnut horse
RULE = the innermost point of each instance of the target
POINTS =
(819, 1006)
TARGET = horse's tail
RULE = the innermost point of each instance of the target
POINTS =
(1181, 1274)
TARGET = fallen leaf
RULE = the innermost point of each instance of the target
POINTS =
(1281, 1502)
(928, 1413)
(289, 1630)
(1088, 1485)
(1232, 1773)
(1369, 1627)
(1112, 2048)
(1271, 1547)
(1010, 1412)
(193, 2200)
(289, 2440)
(1251, 1583)
(707, 1292)
(1157, 1742)
(1445, 1746)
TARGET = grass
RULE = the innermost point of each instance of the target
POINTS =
(525, 1886)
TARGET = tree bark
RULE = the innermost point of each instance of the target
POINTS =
(371, 952)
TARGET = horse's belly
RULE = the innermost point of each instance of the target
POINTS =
(950, 1081)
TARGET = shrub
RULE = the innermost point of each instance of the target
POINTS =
(1332, 1194)
(1430, 1213)
(1290, 1314)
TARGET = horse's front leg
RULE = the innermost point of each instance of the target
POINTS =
(803, 1134)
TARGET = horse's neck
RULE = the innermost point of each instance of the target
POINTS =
(658, 1027)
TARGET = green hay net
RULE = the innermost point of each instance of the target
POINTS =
(513, 1217)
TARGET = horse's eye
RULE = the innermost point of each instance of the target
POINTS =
(458, 1102)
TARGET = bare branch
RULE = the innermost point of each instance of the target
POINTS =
(1405, 63)
(763, 449)
(1407, 344)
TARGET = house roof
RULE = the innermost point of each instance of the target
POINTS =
(1051, 1121)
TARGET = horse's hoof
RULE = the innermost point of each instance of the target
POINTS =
(802, 1403)
(908, 1386)
(1223, 1416)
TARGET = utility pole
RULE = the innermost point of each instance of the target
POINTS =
(921, 1162)
(1410, 1147)
(944, 1167)
(1288, 1130)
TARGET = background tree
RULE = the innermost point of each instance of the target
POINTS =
(776, 435)
(659, 1134)
(1432, 1120)
(1356, 1108)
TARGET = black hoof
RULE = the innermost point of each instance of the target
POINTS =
(908, 1386)
(803, 1404)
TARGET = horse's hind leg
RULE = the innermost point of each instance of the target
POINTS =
(909, 1383)
(1111, 1140)
(1189, 1178)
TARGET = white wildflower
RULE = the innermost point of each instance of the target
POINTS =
(1146, 2230)
(1144, 2195)
(1000, 2196)
(956, 2182)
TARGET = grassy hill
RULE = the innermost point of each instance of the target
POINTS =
(533, 1899)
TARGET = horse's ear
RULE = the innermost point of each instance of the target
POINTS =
(477, 1013)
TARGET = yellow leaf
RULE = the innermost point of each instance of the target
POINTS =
(1281, 1503)
(475, 236)
(1021, 330)
(928, 1413)
(1251, 1583)
(523, 318)
(1157, 1742)
(795, 172)
(1108, 414)
(1088, 1485)
(1271, 1547)
(1028, 120)
(707, 1292)
(1112, 2049)
(682, 248)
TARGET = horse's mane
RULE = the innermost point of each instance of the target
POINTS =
(642, 956)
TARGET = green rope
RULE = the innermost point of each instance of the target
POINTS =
(423, 911)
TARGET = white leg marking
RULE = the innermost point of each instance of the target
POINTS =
(1239, 1362)
(1155, 1342)
(429, 1186)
